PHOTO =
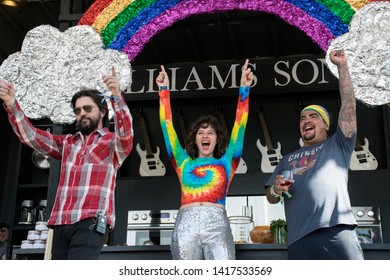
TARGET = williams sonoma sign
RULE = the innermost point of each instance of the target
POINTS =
(284, 75)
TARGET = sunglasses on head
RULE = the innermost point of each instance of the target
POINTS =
(86, 108)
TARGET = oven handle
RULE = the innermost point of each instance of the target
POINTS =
(151, 228)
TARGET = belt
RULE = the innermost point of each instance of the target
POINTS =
(198, 204)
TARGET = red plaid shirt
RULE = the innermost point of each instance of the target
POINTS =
(88, 165)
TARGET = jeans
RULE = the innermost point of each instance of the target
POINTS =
(79, 241)
(335, 243)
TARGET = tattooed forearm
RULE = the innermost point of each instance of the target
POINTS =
(347, 114)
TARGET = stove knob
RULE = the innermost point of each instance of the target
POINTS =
(370, 213)
(144, 217)
(360, 213)
(135, 217)
(175, 216)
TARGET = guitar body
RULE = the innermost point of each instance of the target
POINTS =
(241, 168)
(270, 158)
(300, 142)
(150, 165)
(362, 158)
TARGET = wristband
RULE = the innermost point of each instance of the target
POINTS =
(115, 98)
(273, 193)
(164, 87)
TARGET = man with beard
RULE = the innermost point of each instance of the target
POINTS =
(319, 217)
(83, 212)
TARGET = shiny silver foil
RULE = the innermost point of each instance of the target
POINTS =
(367, 45)
(53, 65)
(202, 233)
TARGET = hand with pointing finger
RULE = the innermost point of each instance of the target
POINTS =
(247, 75)
(112, 82)
(162, 78)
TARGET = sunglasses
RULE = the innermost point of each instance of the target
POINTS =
(86, 108)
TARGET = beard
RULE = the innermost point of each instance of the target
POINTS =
(309, 137)
(88, 128)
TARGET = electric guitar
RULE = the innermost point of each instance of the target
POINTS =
(362, 158)
(300, 141)
(150, 165)
(270, 156)
(242, 167)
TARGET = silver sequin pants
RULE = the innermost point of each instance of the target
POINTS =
(202, 233)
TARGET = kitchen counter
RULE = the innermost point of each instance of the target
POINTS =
(243, 252)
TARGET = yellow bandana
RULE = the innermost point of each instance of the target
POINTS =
(320, 110)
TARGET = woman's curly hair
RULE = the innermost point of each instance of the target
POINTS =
(203, 122)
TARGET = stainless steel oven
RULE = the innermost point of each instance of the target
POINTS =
(150, 227)
(369, 228)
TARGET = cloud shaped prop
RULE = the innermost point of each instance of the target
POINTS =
(367, 45)
(53, 65)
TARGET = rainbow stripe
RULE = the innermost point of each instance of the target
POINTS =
(128, 25)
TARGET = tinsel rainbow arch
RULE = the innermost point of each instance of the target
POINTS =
(128, 25)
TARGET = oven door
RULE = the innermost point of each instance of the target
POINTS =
(149, 236)
(369, 234)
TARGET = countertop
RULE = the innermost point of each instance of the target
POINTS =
(243, 252)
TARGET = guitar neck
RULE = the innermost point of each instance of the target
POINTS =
(241, 168)
(145, 134)
(222, 120)
(264, 128)
(357, 142)
(182, 124)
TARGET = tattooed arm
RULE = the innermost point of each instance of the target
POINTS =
(347, 114)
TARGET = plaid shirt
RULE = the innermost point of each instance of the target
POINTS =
(88, 165)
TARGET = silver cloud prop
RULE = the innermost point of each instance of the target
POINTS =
(53, 65)
(367, 45)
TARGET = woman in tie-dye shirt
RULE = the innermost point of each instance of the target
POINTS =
(205, 170)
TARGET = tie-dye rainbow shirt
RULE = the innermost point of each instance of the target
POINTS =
(204, 179)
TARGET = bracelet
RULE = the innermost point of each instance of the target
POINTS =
(164, 87)
(273, 193)
(115, 98)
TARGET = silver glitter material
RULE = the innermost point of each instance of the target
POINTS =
(202, 232)
(53, 65)
(367, 45)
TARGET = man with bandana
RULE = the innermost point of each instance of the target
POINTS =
(320, 222)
